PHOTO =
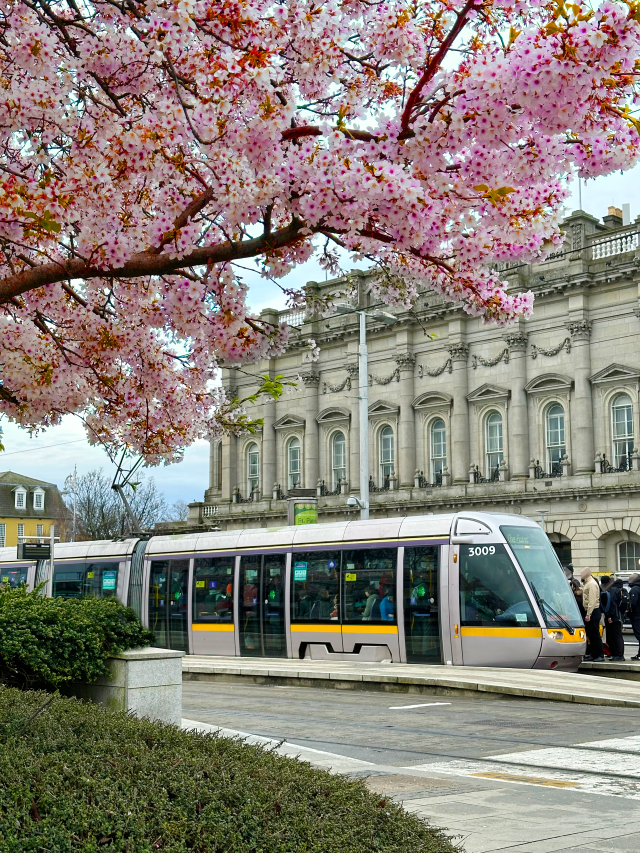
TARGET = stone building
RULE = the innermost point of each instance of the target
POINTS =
(539, 418)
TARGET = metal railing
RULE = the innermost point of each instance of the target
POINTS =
(541, 474)
(494, 476)
(326, 492)
(625, 464)
(386, 485)
(423, 483)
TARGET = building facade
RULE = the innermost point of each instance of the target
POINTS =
(540, 418)
(28, 507)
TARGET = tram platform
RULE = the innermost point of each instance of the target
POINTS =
(416, 679)
(627, 670)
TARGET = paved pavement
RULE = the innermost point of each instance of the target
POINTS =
(516, 775)
(416, 679)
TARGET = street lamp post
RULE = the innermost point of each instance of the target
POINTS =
(363, 398)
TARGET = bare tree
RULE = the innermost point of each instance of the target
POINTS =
(178, 511)
(100, 513)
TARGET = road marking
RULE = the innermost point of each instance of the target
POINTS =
(424, 705)
(529, 780)
(592, 769)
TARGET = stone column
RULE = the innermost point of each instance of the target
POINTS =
(311, 463)
(459, 442)
(228, 467)
(268, 474)
(518, 438)
(406, 456)
(353, 474)
(582, 450)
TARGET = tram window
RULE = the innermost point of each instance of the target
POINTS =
(538, 561)
(315, 586)
(369, 585)
(421, 610)
(13, 577)
(85, 580)
(213, 589)
(491, 592)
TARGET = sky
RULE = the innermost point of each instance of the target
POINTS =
(52, 454)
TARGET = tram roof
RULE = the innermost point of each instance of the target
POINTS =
(412, 527)
(96, 549)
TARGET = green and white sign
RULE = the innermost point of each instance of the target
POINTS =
(300, 571)
(305, 513)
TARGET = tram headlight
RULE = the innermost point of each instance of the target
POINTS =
(556, 635)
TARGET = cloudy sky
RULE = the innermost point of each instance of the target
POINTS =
(52, 454)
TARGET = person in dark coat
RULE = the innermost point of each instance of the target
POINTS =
(634, 609)
(610, 600)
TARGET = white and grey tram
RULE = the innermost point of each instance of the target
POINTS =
(466, 589)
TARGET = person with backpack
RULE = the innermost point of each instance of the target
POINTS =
(591, 604)
(634, 609)
(611, 605)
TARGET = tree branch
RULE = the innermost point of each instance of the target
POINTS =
(148, 262)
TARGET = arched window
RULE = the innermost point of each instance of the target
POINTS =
(387, 462)
(556, 448)
(293, 463)
(338, 459)
(629, 557)
(253, 467)
(493, 442)
(438, 447)
(622, 430)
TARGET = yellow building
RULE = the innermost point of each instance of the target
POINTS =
(28, 507)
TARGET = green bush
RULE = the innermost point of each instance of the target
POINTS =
(45, 642)
(76, 777)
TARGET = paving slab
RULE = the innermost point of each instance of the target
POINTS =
(411, 678)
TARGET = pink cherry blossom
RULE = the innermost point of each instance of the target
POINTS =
(149, 146)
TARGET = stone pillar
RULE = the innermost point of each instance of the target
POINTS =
(311, 462)
(268, 472)
(406, 457)
(229, 475)
(582, 450)
(353, 474)
(459, 353)
(518, 425)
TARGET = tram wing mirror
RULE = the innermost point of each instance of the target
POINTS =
(460, 539)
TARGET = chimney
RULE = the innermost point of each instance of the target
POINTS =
(613, 218)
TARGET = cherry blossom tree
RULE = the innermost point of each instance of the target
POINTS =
(151, 148)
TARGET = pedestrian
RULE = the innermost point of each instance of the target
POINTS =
(634, 609)
(591, 604)
(610, 601)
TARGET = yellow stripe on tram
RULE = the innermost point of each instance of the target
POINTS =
(315, 629)
(369, 629)
(470, 631)
(226, 626)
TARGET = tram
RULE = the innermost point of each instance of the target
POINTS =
(464, 589)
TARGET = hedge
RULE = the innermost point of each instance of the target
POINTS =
(76, 777)
(45, 642)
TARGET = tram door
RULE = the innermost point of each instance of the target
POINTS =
(168, 591)
(421, 605)
(261, 606)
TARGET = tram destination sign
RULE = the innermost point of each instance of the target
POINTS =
(34, 551)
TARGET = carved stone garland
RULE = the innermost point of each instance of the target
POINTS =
(437, 371)
(566, 344)
(491, 362)
(376, 380)
(334, 389)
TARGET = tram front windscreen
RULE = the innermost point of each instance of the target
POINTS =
(538, 561)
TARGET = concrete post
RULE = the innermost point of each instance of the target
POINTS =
(459, 353)
(406, 464)
(518, 438)
(582, 410)
(311, 461)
